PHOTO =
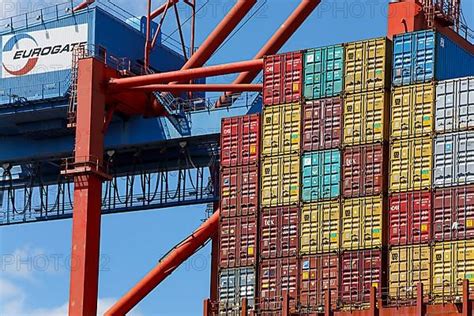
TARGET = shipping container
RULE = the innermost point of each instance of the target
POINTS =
(454, 159)
(368, 65)
(321, 175)
(278, 277)
(426, 56)
(281, 130)
(453, 262)
(366, 118)
(320, 227)
(235, 285)
(323, 72)
(409, 266)
(364, 170)
(361, 270)
(322, 124)
(240, 140)
(318, 275)
(280, 181)
(454, 105)
(239, 191)
(412, 111)
(410, 164)
(283, 78)
(410, 218)
(238, 241)
(362, 223)
(279, 232)
(453, 213)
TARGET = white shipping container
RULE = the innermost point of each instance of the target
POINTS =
(234, 285)
(454, 105)
(454, 159)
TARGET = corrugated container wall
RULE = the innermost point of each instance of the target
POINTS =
(362, 223)
(281, 129)
(368, 65)
(277, 277)
(366, 118)
(239, 191)
(364, 170)
(322, 124)
(410, 164)
(280, 181)
(234, 285)
(410, 218)
(321, 175)
(453, 262)
(323, 72)
(320, 227)
(454, 159)
(360, 271)
(453, 216)
(283, 78)
(408, 266)
(454, 105)
(426, 56)
(238, 241)
(240, 140)
(279, 232)
(412, 111)
(318, 276)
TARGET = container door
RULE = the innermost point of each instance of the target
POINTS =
(353, 119)
(372, 182)
(371, 219)
(328, 223)
(400, 165)
(290, 129)
(351, 224)
(331, 174)
(271, 131)
(334, 70)
(353, 172)
(465, 158)
(424, 57)
(444, 160)
(374, 118)
(421, 164)
(401, 112)
(312, 125)
(402, 59)
(312, 173)
(466, 103)
(355, 59)
(445, 107)
(270, 181)
(314, 80)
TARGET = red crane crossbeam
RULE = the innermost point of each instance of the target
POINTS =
(199, 87)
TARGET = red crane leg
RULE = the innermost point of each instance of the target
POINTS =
(162, 9)
(286, 30)
(118, 84)
(166, 267)
(87, 189)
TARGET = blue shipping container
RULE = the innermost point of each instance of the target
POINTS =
(321, 175)
(421, 57)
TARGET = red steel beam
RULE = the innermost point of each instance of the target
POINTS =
(276, 42)
(162, 9)
(83, 5)
(200, 87)
(166, 267)
(89, 151)
(179, 75)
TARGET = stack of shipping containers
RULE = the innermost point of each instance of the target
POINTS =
(431, 166)
(238, 227)
(362, 177)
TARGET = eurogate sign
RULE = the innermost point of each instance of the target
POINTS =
(41, 51)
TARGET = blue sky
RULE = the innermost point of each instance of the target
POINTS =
(34, 273)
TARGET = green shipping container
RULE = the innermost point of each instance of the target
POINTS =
(321, 174)
(323, 72)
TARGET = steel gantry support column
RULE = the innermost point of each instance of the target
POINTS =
(276, 42)
(88, 178)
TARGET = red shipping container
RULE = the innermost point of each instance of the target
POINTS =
(239, 191)
(238, 241)
(410, 218)
(363, 170)
(360, 271)
(278, 277)
(318, 275)
(454, 213)
(283, 78)
(240, 140)
(279, 232)
(322, 124)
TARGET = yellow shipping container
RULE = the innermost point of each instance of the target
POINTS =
(453, 262)
(366, 118)
(413, 111)
(409, 265)
(280, 181)
(411, 164)
(320, 227)
(281, 129)
(362, 223)
(368, 65)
